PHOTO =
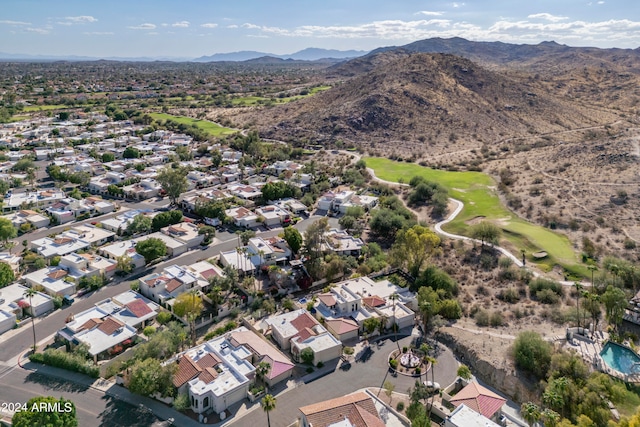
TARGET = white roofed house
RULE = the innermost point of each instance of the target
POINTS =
(58, 246)
(131, 308)
(14, 304)
(242, 217)
(341, 243)
(145, 189)
(185, 232)
(53, 280)
(243, 191)
(128, 248)
(274, 215)
(27, 216)
(171, 282)
(298, 330)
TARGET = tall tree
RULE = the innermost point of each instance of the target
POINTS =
(262, 370)
(293, 238)
(314, 236)
(615, 301)
(394, 297)
(141, 223)
(530, 412)
(173, 182)
(7, 230)
(6, 274)
(268, 404)
(413, 247)
(30, 293)
(189, 305)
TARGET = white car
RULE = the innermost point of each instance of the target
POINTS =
(431, 385)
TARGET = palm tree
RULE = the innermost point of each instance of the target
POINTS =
(550, 417)
(578, 286)
(530, 412)
(268, 404)
(262, 370)
(433, 362)
(29, 293)
(394, 297)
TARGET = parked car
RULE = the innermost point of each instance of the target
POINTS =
(67, 300)
(431, 385)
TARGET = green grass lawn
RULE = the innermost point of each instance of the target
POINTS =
(32, 108)
(476, 191)
(209, 127)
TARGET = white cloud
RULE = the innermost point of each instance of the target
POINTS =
(232, 26)
(181, 24)
(81, 19)
(146, 26)
(457, 5)
(209, 25)
(252, 26)
(37, 30)
(9, 22)
(429, 13)
(600, 2)
(548, 17)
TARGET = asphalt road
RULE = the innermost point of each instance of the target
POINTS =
(93, 407)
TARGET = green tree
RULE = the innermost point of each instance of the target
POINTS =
(164, 219)
(34, 415)
(189, 305)
(615, 301)
(7, 230)
(108, 157)
(293, 238)
(6, 274)
(124, 264)
(413, 247)
(211, 209)
(30, 293)
(262, 370)
(164, 317)
(486, 232)
(184, 153)
(268, 404)
(173, 182)
(307, 355)
(140, 224)
(23, 165)
(370, 324)
(131, 153)
(209, 233)
(277, 190)
(464, 372)
(532, 353)
(148, 377)
(530, 412)
(151, 249)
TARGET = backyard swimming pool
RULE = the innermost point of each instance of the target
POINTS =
(620, 358)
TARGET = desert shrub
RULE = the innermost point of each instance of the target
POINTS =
(393, 363)
(505, 262)
(482, 318)
(450, 309)
(510, 295)
(400, 406)
(496, 319)
(540, 284)
(508, 274)
(181, 403)
(547, 296)
(164, 317)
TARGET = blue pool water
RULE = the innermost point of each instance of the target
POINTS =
(620, 358)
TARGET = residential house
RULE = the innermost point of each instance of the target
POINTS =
(37, 199)
(463, 416)
(99, 205)
(292, 205)
(53, 280)
(341, 243)
(12, 300)
(7, 320)
(12, 260)
(58, 246)
(478, 398)
(354, 410)
(100, 184)
(243, 191)
(172, 281)
(119, 249)
(242, 217)
(190, 201)
(94, 235)
(281, 367)
(131, 308)
(273, 216)
(27, 216)
(175, 247)
(343, 329)
(342, 200)
(186, 233)
(297, 330)
(145, 189)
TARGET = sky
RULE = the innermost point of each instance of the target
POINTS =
(193, 28)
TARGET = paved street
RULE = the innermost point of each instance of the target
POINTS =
(93, 407)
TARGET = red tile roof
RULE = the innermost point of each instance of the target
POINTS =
(479, 398)
(358, 408)
(109, 325)
(208, 375)
(304, 321)
(173, 285)
(208, 274)
(341, 326)
(187, 370)
(90, 324)
(374, 301)
(327, 299)
(139, 308)
(57, 274)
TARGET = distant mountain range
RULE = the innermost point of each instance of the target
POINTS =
(309, 54)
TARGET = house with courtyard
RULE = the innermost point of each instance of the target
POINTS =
(242, 217)
(54, 280)
(273, 216)
(119, 249)
(172, 281)
(341, 243)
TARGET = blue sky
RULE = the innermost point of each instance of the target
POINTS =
(192, 28)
